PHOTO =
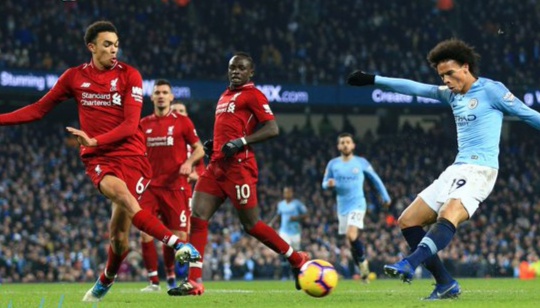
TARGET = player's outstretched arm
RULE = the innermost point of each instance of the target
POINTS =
(359, 78)
(36, 111)
(404, 86)
(505, 101)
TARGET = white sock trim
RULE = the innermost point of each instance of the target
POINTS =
(196, 264)
(152, 274)
(172, 240)
(289, 252)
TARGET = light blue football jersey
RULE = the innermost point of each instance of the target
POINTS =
(478, 114)
(349, 179)
(288, 209)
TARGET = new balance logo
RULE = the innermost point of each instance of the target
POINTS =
(85, 85)
(117, 99)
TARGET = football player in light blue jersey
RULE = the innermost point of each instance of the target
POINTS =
(346, 174)
(478, 105)
(290, 213)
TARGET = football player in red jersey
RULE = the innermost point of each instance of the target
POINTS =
(199, 168)
(168, 135)
(232, 171)
(109, 101)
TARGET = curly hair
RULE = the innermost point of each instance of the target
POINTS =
(96, 28)
(457, 50)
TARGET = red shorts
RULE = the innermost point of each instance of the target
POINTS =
(171, 206)
(135, 171)
(234, 180)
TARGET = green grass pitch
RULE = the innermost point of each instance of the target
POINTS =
(380, 293)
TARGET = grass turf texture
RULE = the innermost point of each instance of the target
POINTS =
(259, 294)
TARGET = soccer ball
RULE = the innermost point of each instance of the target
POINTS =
(318, 278)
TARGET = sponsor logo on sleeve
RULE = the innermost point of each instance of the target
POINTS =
(137, 94)
(267, 109)
(509, 97)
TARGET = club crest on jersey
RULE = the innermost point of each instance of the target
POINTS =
(355, 170)
(231, 107)
(473, 103)
(149, 131)
(114, 82)
(170, 130)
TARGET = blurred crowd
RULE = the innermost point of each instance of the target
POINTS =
(54, 223)
(296, 41)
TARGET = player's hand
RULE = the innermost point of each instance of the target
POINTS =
(208, 147)
(186, 168)
(193, 177)
(232, 147)
(387, 204)
(82, 137)
(331, 183)
(359, 78)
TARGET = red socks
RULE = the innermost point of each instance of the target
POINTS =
(169, 261)
(150, 258)
(198, 238)
(113, 265)
(149, 224)
(272, 240)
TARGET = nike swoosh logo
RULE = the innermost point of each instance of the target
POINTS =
(439, 294)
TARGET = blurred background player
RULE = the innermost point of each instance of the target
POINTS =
(346, 174)
(167, 136)
(198, 169)
(290, 214)
(233, 172)
(478, 105)
(109, 98)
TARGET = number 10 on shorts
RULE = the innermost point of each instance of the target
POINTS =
(242, 193)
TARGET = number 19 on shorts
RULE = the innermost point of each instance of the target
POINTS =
(242, 193)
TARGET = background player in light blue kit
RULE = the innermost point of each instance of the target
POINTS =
(478, 105)
(290, 213)
(345, 174)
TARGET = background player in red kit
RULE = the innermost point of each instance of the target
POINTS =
(109, 100)
(232, 171)
(167, 136)
(199, 167)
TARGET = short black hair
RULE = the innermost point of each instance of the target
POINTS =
(343, 135)
(96, 28)
(162, 82)
(247, 56)
(457, 50)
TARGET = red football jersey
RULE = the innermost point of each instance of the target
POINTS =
(167, 138)
(109, 104)
(238, 112)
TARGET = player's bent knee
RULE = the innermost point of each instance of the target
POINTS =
(405, 221)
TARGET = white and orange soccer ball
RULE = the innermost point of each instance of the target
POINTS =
(318, 278)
